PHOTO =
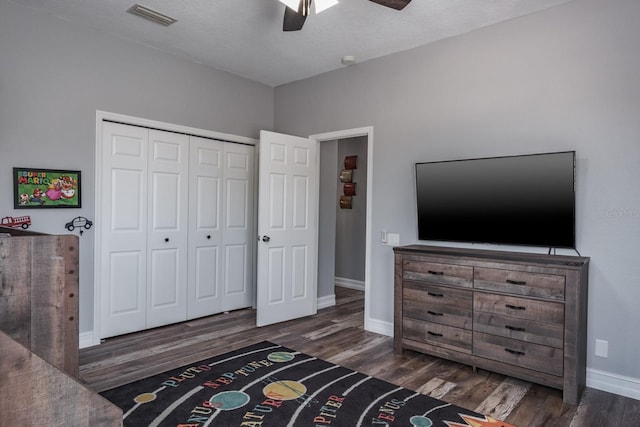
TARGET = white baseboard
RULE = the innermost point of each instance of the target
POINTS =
(358, 285)
(86, 339)
(614, 383)
(328, 301)
(379, 326)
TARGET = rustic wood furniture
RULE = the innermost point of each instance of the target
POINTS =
(39, 334)
(520, 314)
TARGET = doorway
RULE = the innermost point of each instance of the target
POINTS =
(330, 189)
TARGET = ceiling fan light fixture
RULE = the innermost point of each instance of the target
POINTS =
(291, 4)
(322, 5)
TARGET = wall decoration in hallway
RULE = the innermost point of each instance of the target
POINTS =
(349, 189)
(46, 188)
(346, 177)
(345, 202)
(350, 162)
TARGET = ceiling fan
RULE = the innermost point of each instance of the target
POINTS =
(297, 11)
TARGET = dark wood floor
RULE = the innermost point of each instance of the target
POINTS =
(336, 334)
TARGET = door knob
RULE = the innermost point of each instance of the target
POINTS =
(208, 236)
(266, 238)
(166, 239)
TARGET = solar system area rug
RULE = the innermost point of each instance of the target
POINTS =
(267, 385)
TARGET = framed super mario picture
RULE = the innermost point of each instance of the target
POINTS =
(35, 188)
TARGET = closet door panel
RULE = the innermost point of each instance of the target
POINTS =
(123, 229)
(238, 289)
(205, 230)
(167, 228)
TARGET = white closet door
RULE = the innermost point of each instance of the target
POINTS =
(238, 227)
(205, 227)
(168, 199)
(123, 255)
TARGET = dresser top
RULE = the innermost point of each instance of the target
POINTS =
(505, 256)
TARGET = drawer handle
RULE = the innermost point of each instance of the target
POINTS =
(515, 307)
(514, 328)
(433, 313)
(516, 282)
(434, 334)
(436, 273)
(435, 295)
(516, 352)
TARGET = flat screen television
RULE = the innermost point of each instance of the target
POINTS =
(515, 200)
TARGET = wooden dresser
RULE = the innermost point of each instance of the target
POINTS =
(39, 384)
(520, 314)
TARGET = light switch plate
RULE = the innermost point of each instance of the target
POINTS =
(393, 239)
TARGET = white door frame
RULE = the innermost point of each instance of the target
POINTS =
(135, 121)
(369, 324)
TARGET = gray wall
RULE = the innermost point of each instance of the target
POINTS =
(327, 217)
(351, 223)
(53, 78)
(563, 79)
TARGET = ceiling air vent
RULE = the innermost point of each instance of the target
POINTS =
(151, 15)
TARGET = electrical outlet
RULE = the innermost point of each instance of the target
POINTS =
(602, 348)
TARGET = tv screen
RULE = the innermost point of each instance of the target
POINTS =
(516, 200)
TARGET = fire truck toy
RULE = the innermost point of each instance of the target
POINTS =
(16, 222)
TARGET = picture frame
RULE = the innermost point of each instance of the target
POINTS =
(40, 188)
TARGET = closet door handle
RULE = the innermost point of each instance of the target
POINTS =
(166, 239)
(209, 236)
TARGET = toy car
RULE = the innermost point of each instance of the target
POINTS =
(16, 222)
(78, 221)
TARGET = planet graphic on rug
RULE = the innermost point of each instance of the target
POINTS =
(420, 421)
(281, 356)
(229, 400)
(145, 398)
(285, 390)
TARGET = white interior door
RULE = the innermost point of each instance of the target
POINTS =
(238, 231)
(168, 200)
(205, 227)
(287, 228)
(123, 231)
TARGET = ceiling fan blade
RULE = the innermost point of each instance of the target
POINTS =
(293, 21)
(394, 4)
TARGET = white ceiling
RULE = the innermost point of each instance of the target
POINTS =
(245, 37)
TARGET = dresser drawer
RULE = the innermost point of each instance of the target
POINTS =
(440, 335)
(549, 334)
(520, 283)
(519, 353)
(416, 268)
(521, 308)
(438, 304)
